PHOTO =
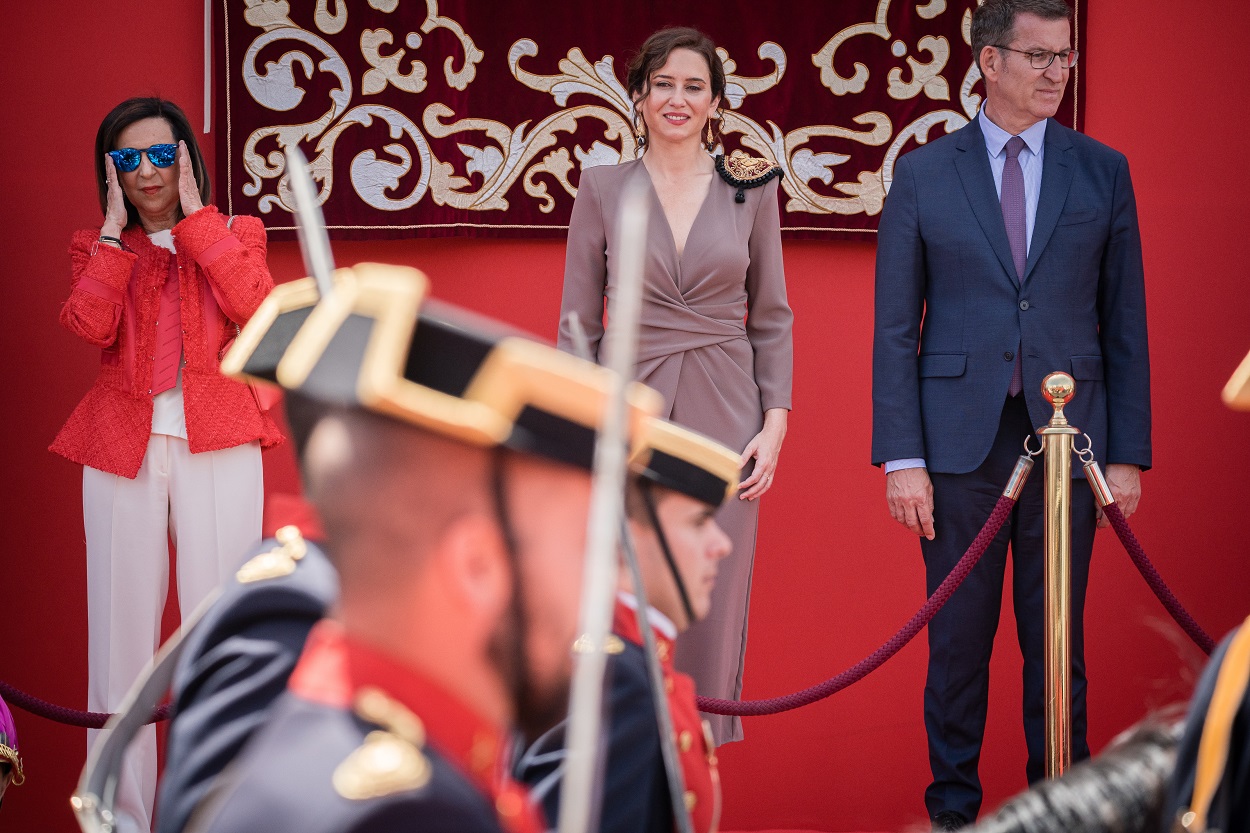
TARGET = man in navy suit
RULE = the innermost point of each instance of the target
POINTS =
(1007, 250)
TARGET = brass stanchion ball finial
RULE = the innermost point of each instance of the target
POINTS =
(1058, 388)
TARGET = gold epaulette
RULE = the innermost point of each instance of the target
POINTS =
(612, 644)
(277, 562)
(743, 172)
(390, 760)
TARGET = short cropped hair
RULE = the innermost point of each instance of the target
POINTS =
(994, 22)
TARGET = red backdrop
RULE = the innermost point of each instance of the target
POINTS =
(835, 576)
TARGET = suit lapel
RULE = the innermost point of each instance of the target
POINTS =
(973, 164)
(1057, 172)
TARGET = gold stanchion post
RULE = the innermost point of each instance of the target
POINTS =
(1058, 389)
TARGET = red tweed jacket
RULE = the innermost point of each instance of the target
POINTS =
(113, 302)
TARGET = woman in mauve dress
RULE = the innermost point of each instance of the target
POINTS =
(715, 335)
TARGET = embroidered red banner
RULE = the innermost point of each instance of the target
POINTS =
(472, 117)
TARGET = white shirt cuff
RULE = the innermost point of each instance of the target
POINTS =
(905, 463)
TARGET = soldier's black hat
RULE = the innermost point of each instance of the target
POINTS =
(378, 343)
(677, 458)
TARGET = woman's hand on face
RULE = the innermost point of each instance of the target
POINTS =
(765, 447)
(188, 189)
(115, 202)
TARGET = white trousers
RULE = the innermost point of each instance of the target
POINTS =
(210, 505)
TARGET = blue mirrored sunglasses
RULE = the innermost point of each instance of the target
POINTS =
(127, 159)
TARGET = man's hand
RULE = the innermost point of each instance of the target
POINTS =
(909, 494)
(1125, 482)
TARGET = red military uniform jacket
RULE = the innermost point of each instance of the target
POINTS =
(365, 743)
(694, 745)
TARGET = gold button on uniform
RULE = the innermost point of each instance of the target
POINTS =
(684, 740)
(691, 800)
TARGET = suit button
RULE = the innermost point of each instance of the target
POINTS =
(1008, 356)
(1024, 305)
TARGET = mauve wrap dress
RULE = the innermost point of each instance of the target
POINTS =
(718, 372)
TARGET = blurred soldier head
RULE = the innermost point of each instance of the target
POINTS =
(449, 460)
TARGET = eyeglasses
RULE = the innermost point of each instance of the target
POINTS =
(127, 159)
(1043, 59)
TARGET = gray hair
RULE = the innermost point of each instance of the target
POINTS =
(994, 22)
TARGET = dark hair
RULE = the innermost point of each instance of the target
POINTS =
(137, 109)
(655, 51)
(994, 22)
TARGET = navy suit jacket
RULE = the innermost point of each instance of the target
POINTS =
(951, 311)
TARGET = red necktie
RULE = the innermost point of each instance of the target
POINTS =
(168, 353)
(1012, 199)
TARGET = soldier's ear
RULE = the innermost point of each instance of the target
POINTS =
(476, 566)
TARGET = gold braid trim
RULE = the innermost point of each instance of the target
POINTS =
(8, 752)
(742, 172)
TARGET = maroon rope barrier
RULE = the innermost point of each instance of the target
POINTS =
(61, 714)
(878, 657)
(1156, 582)
(96, 720)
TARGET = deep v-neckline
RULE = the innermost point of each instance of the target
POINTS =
(672, 238)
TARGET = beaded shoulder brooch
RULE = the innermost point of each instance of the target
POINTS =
(743, 172)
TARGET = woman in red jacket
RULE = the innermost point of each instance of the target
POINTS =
(170, 448)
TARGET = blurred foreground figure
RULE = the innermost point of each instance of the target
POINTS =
(1210, 789)
(1120, 791)
(449, 462)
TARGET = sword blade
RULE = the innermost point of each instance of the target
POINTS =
(314, 242)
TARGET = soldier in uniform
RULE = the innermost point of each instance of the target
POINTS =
(683, 479)
(236, 663)
(449, 463)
